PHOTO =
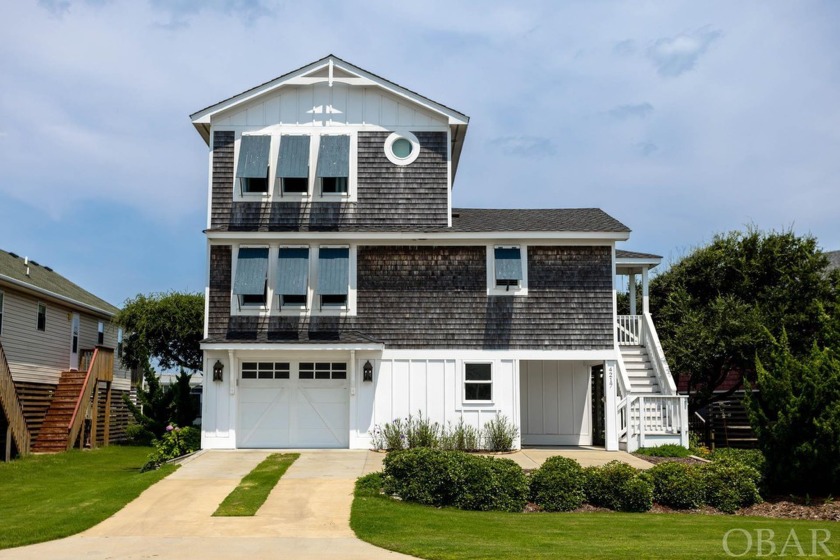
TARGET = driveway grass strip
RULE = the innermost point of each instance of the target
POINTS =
(46, 497)
(254, 489)
(452, 534)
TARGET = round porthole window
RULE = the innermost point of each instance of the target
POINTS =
(402, 148)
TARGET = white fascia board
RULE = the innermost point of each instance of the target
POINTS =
(489, 236)
(630, 262)
(54, 296)
(294, 78)
(281, 346)
(559, 355)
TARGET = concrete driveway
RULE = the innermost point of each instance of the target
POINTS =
(306, 516)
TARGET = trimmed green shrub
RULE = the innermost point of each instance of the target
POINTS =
(369, 484)
(499, 434)
(454, 478)
(730, 485)
(135, 434)
(174, 443)
(558, 485)
(677, 485)
(667, 450)
(750, 457)
(618, 486)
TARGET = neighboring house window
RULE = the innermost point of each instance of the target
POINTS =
(333, 168)
(333, 276)
(100, 334)
(478, 381)
(293, 164)
(265, 370)
(2, 303)
(119, 343)
(251, 283)
(322, 370)
(42, 317)
(507, 270)
(292, 276)
(252, 167)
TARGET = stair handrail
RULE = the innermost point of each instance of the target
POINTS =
(100, 364)
(657, 355)
(10, 402)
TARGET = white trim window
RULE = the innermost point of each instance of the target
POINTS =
(252, 166)
(322, 370)
(266, 370)
(333, 278)
(402, 148)
(333, 168)
(2, 305)
(250, 278)
(41, 318)
(119, 342)
(292, 284)
(478, 382)
(507, 270)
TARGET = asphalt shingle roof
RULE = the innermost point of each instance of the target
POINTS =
(557, 219)
(622, 254)
(43, 278)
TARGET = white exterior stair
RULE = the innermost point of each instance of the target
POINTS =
(640, 370)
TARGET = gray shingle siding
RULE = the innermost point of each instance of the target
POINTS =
(219, 303)
(435, 297)
(389, 196)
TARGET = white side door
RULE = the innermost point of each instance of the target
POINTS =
(74, 341)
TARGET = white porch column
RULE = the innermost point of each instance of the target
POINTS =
(610, 402)
(632, 278)
(645, 298)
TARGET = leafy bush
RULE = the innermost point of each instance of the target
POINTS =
(394, 435)
(174, 443)
(422, 432)
(135, 434)
(499, 434)
(730, 485)
(462, 437)
(618, 486)
(558, 485)
(454, 478)
(369, 484)
(667, 450)
(677, 485)
(750, 457)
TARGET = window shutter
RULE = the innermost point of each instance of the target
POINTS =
(251, 271)
(293, 161)
(508, 263)
(293, 272)
(253, 157)
(334, 156)
(333, 271)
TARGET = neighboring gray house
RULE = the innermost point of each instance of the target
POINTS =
(833, 259)
(345, 291)
(50, 330)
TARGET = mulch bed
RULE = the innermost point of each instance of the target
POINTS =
(657, 460)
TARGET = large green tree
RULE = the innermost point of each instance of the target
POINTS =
(166, 327)
(722, 305)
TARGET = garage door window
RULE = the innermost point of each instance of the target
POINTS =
(323, 370)
(265, 370)
(478, 382)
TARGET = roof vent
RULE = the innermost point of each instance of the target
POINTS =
(456, 215)
(26, 262)
(48, 269)
(14, 255)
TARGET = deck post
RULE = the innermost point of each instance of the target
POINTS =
(94, 416)
(632, 278)
(684, 421)
(610, 404)
(642, 421)
(645, 295)
(8, 455)
(106, 431)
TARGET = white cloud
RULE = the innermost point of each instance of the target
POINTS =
(639, 110)
(677, 55)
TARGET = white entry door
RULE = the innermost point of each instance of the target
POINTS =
(555, 403)
(74, 341)
(293, 405)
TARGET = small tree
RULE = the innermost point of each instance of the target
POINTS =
(796, 416)
(156, 403)
(184, 406)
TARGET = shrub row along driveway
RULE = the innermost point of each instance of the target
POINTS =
(306, 516)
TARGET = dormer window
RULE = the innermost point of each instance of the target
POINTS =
(251, 282)
(333, 167)
(252, 166)
(293, 164)
(293, 277)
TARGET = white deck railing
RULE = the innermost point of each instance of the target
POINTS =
(629, 330)
(646, 419)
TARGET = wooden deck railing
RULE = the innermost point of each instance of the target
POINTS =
(10, 403)
(100, 367)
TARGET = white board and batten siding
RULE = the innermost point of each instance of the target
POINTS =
(40, 356)
(322, 106)
(556, 403)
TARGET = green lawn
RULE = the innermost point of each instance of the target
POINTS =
(447, 533)
(47, 497)
(253, 490)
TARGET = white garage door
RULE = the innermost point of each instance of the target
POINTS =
(555, 403)
(293, 404)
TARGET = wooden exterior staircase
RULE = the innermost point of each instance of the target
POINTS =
(11, 412)
(76, 398)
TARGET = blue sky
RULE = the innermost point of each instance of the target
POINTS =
(681, 119)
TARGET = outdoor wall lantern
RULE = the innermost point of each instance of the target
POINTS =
(367, 371)
(218, 368)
